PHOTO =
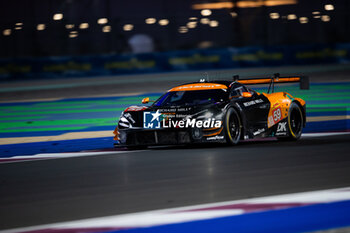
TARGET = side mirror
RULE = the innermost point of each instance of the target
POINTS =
(145, 100)
(247, 94)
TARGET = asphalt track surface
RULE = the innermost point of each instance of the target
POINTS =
(41, 192)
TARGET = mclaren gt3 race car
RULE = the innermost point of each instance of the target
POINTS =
(214, 111)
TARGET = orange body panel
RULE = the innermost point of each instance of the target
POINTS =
(268, 80)
(280, 104)
(116, 134)
(198, 86)
(215, 133)
(301, 101)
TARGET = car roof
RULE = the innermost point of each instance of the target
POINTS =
(199, 86)
(215, 84)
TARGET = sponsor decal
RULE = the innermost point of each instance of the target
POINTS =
(173, 115)
(215, 138)
(193, 123)
(173, 110)
(259, 131)
(253, 102)
(199, 86)
(156, 120)
(151, 120)
(281, 129)
(276, 115)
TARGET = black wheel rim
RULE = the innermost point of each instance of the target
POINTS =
(234, 127)
(295, 121)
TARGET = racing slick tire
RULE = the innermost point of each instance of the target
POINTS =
(295, 123)
(233, 126)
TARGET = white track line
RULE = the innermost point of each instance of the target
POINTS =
(323, 134)
(186, 214)
(36, 157)
(61, 137)
(26, 158)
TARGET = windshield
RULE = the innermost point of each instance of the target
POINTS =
(186, 98)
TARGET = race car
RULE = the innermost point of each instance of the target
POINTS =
(221, 111)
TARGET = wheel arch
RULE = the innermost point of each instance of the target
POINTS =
(303, 110)
(242, 119)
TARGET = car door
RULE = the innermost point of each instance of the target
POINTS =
(255, 108)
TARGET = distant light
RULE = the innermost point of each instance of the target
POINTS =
(6, 32)
(192, 24)
(70, 26)
(107, 28)
(73, 35)
(74, 32)
(206, 12)
(84, 26)
(291, 17)
(40, 27)
(57, 16)
(19, 24)
(325, 18)
(233, 14)
(18, 28)
(192, 18)
(163, 22)
(274, 15)
(214, 23)
(303, 20)
(150, 20)
(214, 5)
(183, 29)
(329, 7)
(316, 13)
(102, 21)
(242, 4)
(205, 21)
(317, 16)
(205, 44)
(128, 27)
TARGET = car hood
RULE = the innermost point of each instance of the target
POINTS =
(133, 116)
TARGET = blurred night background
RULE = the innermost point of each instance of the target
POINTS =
(106, 33)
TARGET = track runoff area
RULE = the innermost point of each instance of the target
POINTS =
(77, 127)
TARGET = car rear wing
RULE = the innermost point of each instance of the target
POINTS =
(302, 80)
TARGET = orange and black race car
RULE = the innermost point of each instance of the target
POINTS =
(214, 111)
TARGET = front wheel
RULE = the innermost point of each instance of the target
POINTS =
(233, 126)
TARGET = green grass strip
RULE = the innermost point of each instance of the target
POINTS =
(21, 118)
(63, 112)
(26, 108)
(310, 109)
(45, 129)
(344, 105)
(99, 121)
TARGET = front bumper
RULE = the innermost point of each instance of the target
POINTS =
(142, 137)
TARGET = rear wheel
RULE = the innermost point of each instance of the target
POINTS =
(295, 122)
(233, 126)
